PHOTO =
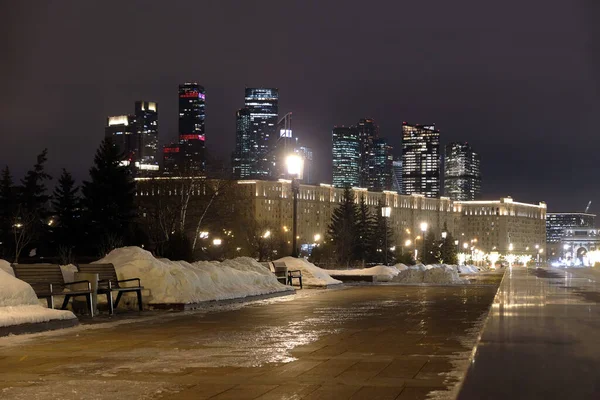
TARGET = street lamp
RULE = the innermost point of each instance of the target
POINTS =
(317, 237)
(424, 227)
(295, 166)
(267, 234)
(217, 242)
(385, 213)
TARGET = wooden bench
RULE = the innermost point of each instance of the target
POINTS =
(47, 281)
(108, 282)
(286, 276)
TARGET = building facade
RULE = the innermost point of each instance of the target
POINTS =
(263, 105)
(121, 129)
(420, 160)
(462, 172)
(192, 100)
(346, 157)
(504, 226)
(558, 223)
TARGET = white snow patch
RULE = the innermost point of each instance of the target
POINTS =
(311, 274)
(176, 282)
(429, 274)
(19, 304)
(5, 266)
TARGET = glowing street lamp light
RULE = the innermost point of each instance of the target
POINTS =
(217, 242)
(295, 167)
(510, 247)
(317, 237)
(267, 234)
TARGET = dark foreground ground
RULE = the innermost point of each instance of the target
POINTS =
(365, 342)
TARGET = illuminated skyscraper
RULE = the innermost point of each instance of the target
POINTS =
(136, 137)
(146, 126)
(380, 164)
(307, 154)
(420, 160)
(558, 223)
(368, 131)
(192, 100)
(263, 105)
(243, 155)
(346, 157)
(462, 172)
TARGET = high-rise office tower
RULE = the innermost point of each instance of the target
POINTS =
(263, 105)
(122, 130)
(192, 100)
(171, 159)
(397, 175)
(558, 223)
(146, 126)
(307, 154)
(243, 155)
(462, 172)
(346, 157)
(420, 160)
(380, 164)
(367, 131)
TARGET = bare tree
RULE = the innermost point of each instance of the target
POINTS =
(24, 229)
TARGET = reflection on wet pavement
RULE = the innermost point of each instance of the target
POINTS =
(540, 339)
(362, 342)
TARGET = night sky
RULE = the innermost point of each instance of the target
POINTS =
(519, 80)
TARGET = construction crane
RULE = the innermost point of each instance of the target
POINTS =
(588, 206)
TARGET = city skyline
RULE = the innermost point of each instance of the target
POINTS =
(524, 108)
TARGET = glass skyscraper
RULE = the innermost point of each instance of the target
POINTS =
(346, 157)
(192, 99)
(263, 106)
(420, 160)
(368, 131)
(462, 172)
(397, 175)
(380, 163)
(243, 156)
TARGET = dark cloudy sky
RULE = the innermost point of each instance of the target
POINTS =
(517, 79)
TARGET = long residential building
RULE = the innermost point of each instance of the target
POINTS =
(503, 225)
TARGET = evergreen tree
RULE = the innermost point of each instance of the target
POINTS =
(33, 196)
(8, 202)
(364, 230)
(342, 230)
(109, 198)
(448, 254)
(382, 239)
(65, 205)
(431, 250)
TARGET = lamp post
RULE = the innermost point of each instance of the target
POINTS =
(385, 213)
(424, 227)
(295, 166)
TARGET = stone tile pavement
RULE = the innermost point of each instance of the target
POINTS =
(363, 342)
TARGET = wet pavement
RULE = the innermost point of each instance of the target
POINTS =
(363, 342)
(541, 340)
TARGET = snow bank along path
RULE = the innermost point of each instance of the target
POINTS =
(19, 303)
(311, 274)
(179, 282)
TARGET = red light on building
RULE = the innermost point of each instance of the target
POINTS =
(191, 137)
(192, 95)
(171, 150)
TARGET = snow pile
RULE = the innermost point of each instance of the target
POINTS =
(311, 274)
(468, 269)
(382, 272)
(428, 274)
(19, 304)
(177, 282)
(5, 266)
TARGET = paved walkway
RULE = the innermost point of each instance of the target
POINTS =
(366, 342)
(542, 338)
